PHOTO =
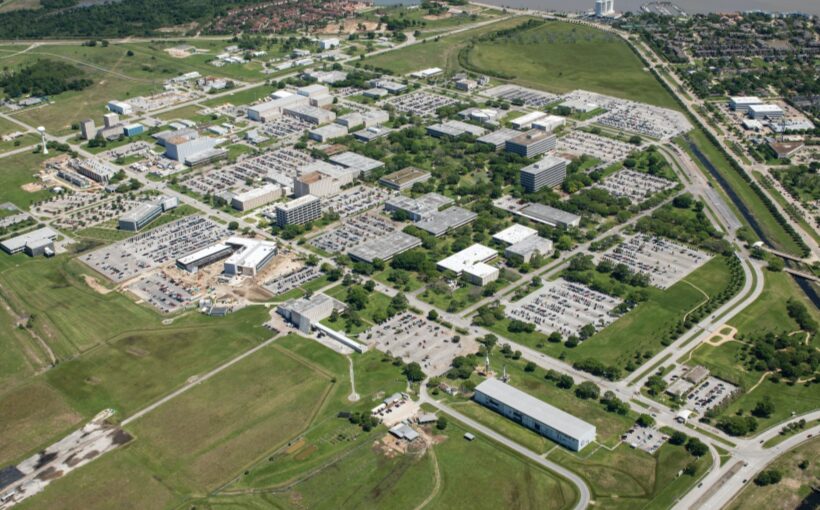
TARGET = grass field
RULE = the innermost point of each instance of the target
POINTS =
(16, 171)
(556, 56)
(795, 486)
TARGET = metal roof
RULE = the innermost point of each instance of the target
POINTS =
(536, 409)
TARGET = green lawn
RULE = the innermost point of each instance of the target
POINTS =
(16, 171)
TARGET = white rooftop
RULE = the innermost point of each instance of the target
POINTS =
(514, 234)
(539, 410)
(467, 258)
(297, 202)
(204, 252)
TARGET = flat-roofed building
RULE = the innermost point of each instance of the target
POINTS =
(454, 129)
(472, 263)
(535, 414)
(360, 165)
(550, 216)
(311, 114)
(549, 123)
(498, 138)
(375, 93)
(314, 90)
(256, 197)
(532, 143)
(549, 172)
(375, 117)
(185, 149)
(249, 257)
(139, 217)
(514, 234)
(444, 221)
(525, 121)
(304, 313)
(418, 208)
(206, 256)
(766, 111)
(371, 133)
(317, 184)
(742, 103)
(384, 248)
(403, 179)
(350, 120)
(299, 211)
(94, 169)
(327, 132)
(120, 107)
(269, 110)
(785, 150)
(36, 242)
(526, 249)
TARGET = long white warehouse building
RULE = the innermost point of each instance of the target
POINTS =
(535, 414)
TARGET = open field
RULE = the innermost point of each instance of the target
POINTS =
(17, 171)
(768, 312)
(627, 478)
(795, 487)
(367, 478)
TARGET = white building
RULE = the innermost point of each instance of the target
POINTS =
(742, 103)
(549, 123)
(472, 262)
(299, 211)
(766, 111)
(514, 234)
(535, 414)
(329, 44)
(525, 121)
(256, 197)
(120, 107)
(250, 257)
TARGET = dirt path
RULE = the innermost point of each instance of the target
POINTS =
(436, 474)
(759, 382)
(21, 321)
(94, 284)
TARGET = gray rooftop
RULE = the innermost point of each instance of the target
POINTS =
(537, 409)
(385, 247)
(357, 161)
(499, 137)
(29, 238)
(547, 214)
(530, 244)
(139, 212)
(423, 205)
(440, 222)
(544, 163)
(456, 128)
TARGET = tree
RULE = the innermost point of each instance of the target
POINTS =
(644, 420)
(764, 408)
(768, 477)
(369, 285)
(413, 372)
(565, 382)
(529, 367)
(776, 264)
(441, 424)
(398, 304)
(678, 438)
(587, 390)
(357, 297)
(696, 447)
(432, 315)
(737, 425)
(690, 469)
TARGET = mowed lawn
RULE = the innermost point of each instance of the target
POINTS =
(16, 171)
(202, 438)
(561, 57)
(441, 53)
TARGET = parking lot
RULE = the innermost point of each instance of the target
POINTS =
(165, 293)
(635, 186)
(415, 339)
(665, 261)
(423, 104)
(648, 439)
(279, 166)
(63, 203)
(353, 232)
(285, 126)
(355, 200)
(289, 281)
(708, 394)
(531, 97)
(565, 307)
(606, 149)
(133, 256)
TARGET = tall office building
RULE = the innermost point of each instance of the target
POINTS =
(299, 211)
(550, 171)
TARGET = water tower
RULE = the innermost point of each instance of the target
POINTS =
(42, 131)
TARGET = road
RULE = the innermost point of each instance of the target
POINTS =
(580, 484)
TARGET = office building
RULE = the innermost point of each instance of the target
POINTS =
(442, 222)
(535, 414)
(133, 129)
(329, 44)
(375, 93)
(525, 121)
(549, 123)
(304, 313)
(549, 172)
(742, 103)
(514, 234)
(419, 208)
(34, 243)
(111, 120)
(766, 112)
(403, 179)
(256, 197)
(192, 150)
(356, 163)
(269, 110)
(327, 132)
(550, 216)
(526, 249)
(373, 118)
(206, 256)
(311, 114)
(472, 263)
(119, 107)
(384, 248)
(317, 184)
(314, 90)
(498, 139)
(454, 129)
(350, 120)
(531, 144)
(249, 257)
(299, 211)
(88, 129)
(94, 169)
(139, 217)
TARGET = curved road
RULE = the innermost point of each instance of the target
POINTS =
(580, 484)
